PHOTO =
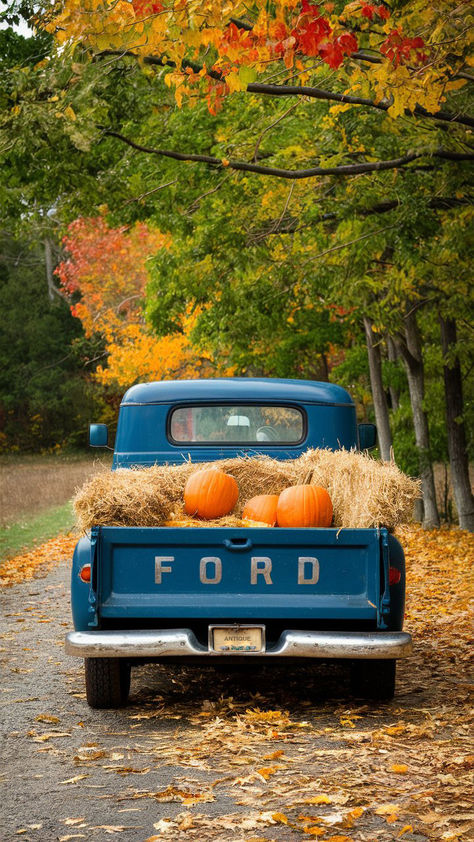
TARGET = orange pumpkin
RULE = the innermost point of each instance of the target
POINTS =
(262, 509)
(304, 505)
(210, 493)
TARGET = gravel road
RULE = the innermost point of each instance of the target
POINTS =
(272, 755)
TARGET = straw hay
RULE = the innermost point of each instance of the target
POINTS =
(364, 491)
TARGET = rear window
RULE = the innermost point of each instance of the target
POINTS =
(238, 424)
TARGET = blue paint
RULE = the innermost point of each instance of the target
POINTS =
(142, 433)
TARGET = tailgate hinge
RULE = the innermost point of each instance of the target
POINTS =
(93, 601)
(384, 606)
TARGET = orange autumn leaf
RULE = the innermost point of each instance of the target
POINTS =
(38, 561)
(399, 768)
(280, 818)
(267, 771)
(274, 755)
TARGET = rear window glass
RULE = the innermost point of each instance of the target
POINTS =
(237, 424)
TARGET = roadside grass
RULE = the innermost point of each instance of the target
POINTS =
(35, 496)
(32, 484)
(28, 532)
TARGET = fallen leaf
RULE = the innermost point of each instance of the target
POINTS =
(72, 836)
(318, 799)
(86, 753)
(267, 771)
(399, 768)
(186, 823)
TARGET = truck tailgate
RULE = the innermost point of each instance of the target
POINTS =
(225, 573)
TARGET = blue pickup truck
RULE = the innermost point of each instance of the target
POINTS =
(226, 595)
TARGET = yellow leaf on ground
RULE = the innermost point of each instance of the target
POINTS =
(318, 799)
(280, 818)
(399, 768)
(389, 811)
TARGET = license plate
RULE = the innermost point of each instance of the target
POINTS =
(237, 640)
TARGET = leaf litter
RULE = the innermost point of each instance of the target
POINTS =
(294, 755)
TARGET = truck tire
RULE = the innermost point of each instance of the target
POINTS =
(373, 679)
(107, 682)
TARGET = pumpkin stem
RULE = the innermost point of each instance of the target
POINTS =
(309, 477)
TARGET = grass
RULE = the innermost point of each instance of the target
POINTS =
(33, 530)
(30, 485)
(35, 496)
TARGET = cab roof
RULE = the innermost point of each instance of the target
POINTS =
(237, 390)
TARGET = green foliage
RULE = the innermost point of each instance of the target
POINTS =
(279, 272)
(46, 400)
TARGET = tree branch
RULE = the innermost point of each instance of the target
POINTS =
(319, 93)
(345, 169)
(302, 90)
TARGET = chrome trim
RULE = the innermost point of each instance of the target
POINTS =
(164, 643)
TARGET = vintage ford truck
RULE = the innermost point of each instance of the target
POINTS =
(234, 595)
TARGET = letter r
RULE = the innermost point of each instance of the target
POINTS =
(261, 566)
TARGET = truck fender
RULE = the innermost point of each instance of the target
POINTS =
(397, 590)
(80, 589)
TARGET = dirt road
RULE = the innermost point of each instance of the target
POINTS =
(271, 755)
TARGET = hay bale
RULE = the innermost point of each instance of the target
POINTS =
(364, 491)
(131, 497)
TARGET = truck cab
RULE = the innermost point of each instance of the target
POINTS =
(229, 595)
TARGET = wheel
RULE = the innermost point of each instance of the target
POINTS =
(107, 682)
(373, 679)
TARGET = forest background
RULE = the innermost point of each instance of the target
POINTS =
(213, 189)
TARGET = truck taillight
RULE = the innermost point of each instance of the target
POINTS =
(85, 573)
(394, 576)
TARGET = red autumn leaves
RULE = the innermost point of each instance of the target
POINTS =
(307, 32)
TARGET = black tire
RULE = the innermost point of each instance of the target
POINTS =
(373, 679)
(107, 682)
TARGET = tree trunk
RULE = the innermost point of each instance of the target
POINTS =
(378, 394)
(410, 350)
(457, 448)
(53, 292)
(392, 356)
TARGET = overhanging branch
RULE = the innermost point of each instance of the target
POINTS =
(343, 170)
(301, 90)
(319, 93)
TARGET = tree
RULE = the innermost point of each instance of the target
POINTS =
(46, 400)
(104, 276)
(322, 183)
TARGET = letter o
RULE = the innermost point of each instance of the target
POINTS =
(216, 578)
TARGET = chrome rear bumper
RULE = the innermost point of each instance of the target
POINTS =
(172, 643)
